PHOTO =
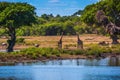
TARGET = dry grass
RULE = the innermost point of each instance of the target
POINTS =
(51, 41)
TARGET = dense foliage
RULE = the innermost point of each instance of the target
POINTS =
(55, 25)
(110, 7)
(82, 21)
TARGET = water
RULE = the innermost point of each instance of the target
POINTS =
(81, 69)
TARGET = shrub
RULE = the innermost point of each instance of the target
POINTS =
(79, 52)
(94, 50)
(20, 40)
(116, 48)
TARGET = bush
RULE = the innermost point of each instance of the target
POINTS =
(20, 40)
(79, 52)
(94, 50)
(46, 52)
(116, 48)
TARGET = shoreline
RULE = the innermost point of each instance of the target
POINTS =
(48, 49)
(62, 57)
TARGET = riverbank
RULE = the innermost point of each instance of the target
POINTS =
(44, 54)
(13, 61)
(20, 59)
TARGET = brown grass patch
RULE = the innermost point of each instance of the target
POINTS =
(51, 41)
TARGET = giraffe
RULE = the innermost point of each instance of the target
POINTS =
(60, 42)
(79, 42)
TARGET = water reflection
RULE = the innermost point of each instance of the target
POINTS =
(81, 62)
(111, 61)
(80, 69)
(114, 61)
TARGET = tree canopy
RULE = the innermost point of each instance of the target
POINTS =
(82, 21)
(110, 7)
(15, 15)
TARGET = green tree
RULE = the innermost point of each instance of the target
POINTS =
(79, 12)
(110, 7)
(14, 15)
(68, 28)
(89, 14)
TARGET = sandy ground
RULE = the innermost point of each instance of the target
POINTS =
(51, 41)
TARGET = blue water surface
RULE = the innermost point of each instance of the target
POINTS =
(81, 69)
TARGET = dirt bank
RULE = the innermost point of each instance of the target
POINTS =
(23, 59)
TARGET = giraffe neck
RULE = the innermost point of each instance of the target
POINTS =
(61, 37)
(78, 37)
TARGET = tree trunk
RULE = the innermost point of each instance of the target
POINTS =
(114, 39)
(12, 40)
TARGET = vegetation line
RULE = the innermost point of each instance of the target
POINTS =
(35, 54)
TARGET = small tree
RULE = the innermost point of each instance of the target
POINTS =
(14, 15)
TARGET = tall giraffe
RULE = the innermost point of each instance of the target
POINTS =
(60, 42)
(79, 42)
